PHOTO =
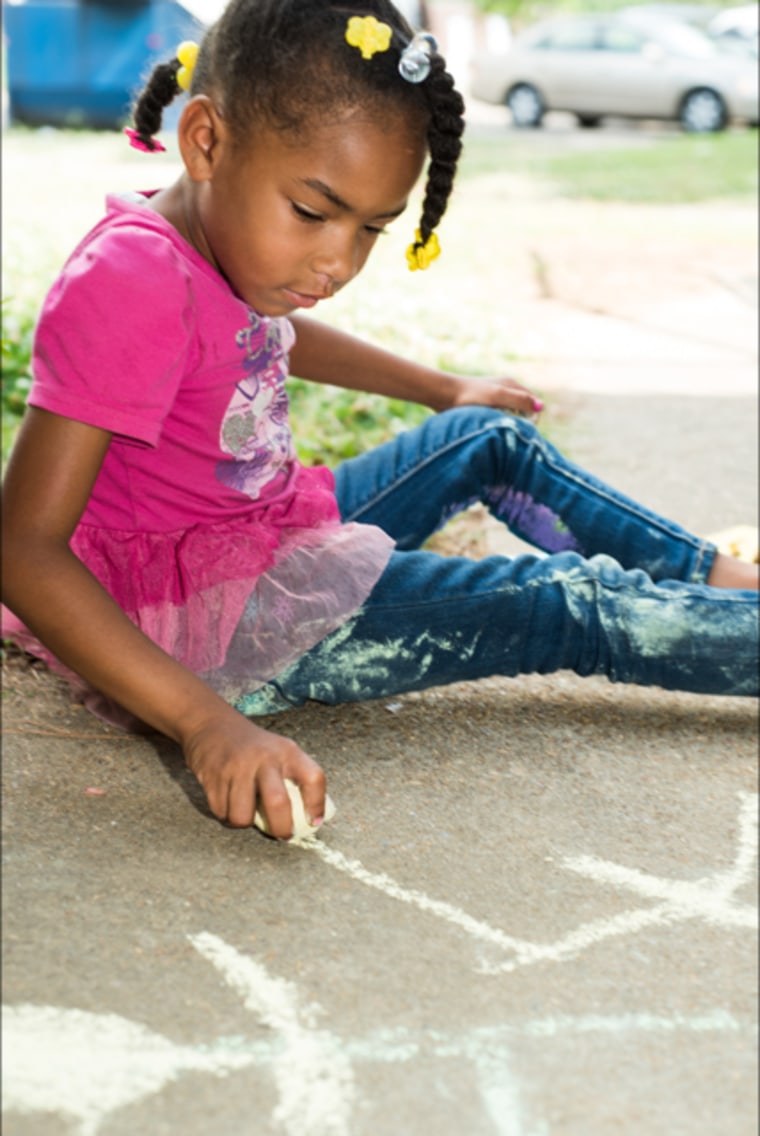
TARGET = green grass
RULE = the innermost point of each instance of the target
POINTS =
(17, 330)
(685, 169)
(671, 169)
(331, 424)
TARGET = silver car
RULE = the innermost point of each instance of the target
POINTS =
(622, 65)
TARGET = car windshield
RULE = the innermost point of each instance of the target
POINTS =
(572, 35)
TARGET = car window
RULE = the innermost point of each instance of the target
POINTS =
(568, 37)
(617, 38)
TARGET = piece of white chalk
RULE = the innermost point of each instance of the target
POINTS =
(303, 831)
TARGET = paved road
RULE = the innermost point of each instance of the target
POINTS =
(534, 914)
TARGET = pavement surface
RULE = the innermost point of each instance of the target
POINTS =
(535, 911)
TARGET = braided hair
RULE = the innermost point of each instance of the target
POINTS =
(263, 60)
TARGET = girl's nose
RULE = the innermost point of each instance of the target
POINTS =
(338, 259)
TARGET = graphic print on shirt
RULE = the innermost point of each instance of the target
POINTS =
(255, 429)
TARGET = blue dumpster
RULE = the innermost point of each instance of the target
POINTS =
(81, 62)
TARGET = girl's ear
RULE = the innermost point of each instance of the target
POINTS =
(199, 134)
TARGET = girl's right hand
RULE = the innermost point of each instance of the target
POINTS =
(241, 768)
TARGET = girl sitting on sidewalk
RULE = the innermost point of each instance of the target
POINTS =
(162, 544)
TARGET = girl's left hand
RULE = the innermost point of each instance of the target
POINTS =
(499, 392)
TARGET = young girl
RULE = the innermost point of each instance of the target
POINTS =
(162, 544)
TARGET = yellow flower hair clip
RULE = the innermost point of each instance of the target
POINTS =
(368, 34)
(422, 256)
(187, 53)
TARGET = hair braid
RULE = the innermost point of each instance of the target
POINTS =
(160, 90)
(445, 144)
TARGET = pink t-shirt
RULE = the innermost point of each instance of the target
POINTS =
(202, 523)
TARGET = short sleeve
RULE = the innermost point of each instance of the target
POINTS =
(116, 333)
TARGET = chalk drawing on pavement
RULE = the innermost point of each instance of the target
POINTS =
(86, 1066)
(711, 899)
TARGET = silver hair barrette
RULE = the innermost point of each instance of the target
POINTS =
(414, 64)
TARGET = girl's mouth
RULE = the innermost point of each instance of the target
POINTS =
(302, 299)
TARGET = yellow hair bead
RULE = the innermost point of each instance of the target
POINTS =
(187, 53)
(422, 256)
(368, 34)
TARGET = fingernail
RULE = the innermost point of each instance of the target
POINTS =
(317, 821)
(537, 405)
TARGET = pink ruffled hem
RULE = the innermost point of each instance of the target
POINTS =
(235, 633)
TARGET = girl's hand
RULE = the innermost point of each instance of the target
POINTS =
(499, 392)
(242, 767)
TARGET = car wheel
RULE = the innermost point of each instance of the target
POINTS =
(526, 106)
(703, 112)
(589, 121)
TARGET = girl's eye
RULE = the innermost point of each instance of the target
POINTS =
(306, 214)
(313, 218)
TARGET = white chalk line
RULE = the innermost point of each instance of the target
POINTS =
(501, 1094)
(710, 899)
(402, 1044)
(702, 898)
(711, 895)
(390, 887)
(741, 871)
(87, 1066)
(313, 1077)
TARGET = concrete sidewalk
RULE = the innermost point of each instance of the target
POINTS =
(534, 914)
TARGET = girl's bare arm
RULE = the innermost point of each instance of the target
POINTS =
(50, 476)
(325, 355)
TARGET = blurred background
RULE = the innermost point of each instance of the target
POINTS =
(79, 62)
(610, 166)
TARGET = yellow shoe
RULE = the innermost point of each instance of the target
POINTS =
(740, 541)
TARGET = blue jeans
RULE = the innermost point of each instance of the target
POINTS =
(621, 591)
